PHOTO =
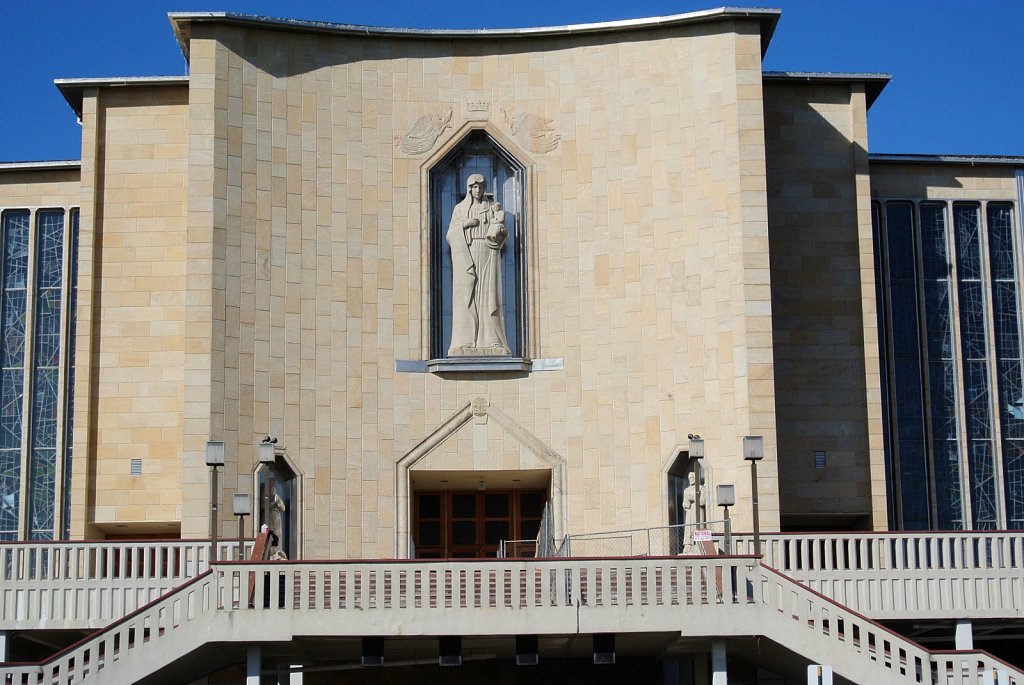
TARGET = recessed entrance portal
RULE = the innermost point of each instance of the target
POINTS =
(470, 524)
(465, 515)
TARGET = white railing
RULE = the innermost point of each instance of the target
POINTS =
(888, 551)
(846, 637)
(905, 575)
(656, 541)
(695, 597)
(82, 585)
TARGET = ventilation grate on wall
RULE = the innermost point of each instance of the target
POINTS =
(136, 467)
(819, 459)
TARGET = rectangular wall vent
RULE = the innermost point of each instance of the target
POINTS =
(819, 459)
(136, 467)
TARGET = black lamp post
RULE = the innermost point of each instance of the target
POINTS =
(753, 451)
(241, 504)
(214, 459)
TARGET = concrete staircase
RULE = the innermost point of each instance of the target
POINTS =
(697, 597)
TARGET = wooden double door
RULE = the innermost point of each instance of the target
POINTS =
(467, 524)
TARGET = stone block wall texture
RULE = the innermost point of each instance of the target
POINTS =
(132, 310)
(307, 263)
(903, 181)
(823, 305)
(39, 188)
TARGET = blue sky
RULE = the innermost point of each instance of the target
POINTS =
(956, 86)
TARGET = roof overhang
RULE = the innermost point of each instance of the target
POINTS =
(73, 88)
(183, 22)
(963, 160)
(873, 83)
(55, 165)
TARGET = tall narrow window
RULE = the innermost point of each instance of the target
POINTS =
(478, 278)
(45, 386)
(1006, 329)
(907, 387)
(942, 377)
(974, 343)
(14, 288)
(883, 316)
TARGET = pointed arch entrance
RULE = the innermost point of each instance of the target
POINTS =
(534, 468)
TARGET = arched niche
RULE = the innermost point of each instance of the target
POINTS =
(478, 152)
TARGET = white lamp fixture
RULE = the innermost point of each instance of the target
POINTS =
(753, 448)
(266, 453)
(241, 503)
(215, 453)
(725, 495)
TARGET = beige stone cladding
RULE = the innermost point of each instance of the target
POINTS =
(132, 302)
(826, 360)
(27, 187)
(942, 181)
(648, 266)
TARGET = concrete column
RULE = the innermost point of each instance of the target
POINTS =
(670, 672)
(5, 645)
(253, 666)
(718, 670)
(700, 669)
(819, 675)
(964, 635)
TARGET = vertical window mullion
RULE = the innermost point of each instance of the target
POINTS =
(65, 448)
(926, 364)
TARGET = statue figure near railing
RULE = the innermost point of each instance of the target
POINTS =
(692, 513)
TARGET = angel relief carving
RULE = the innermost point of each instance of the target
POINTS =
(424, 133)
(533, 132)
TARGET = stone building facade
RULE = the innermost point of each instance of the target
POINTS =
(694, 250)
(260, 255)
